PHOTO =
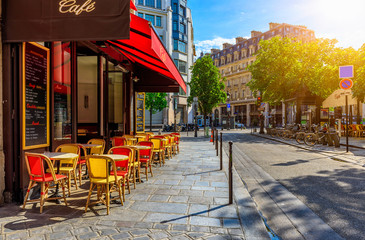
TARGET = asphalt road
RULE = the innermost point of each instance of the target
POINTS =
(335, 191)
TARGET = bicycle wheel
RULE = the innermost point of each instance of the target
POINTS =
(286, 135)
(310, 139)
(300, 137)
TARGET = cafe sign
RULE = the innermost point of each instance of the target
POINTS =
(65, 20)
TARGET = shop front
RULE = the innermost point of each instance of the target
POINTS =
(68, 85)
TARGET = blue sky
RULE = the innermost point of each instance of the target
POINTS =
(219, 21)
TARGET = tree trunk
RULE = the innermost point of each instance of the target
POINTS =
(151, 120)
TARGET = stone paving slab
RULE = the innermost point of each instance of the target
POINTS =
(186, 199)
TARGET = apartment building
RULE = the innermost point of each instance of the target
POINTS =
(233, 61)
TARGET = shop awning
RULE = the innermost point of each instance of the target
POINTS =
(62, 20)
(154, 66)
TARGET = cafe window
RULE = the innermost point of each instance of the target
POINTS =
(61, 66)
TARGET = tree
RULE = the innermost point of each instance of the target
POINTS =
(206, 84)
(285, 67)
(155, 102)
(359, 79)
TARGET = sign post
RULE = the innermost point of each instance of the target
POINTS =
(346, 72)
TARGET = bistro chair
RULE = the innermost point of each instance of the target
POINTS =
(177, 140)
(68, 167)
(168, 146)
(97, 150)
(123, 168)
(145, 156)
(36, 164)
(158, 150)
(82, 160)
(100, 178)
(118, 141)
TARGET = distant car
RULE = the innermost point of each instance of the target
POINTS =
(239, 125)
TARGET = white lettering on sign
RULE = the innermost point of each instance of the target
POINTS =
(70, 6)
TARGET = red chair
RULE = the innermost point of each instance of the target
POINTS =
(123, 167)
(119, 141)
(36, 164)
(177, 140)
(145, 156)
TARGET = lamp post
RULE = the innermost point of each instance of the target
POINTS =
(196, 114)
(228, 111)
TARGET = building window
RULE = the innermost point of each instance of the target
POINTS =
(158, 4)
(158, 21)
(182, 67)
(174, 8)
(150, 18)
(161, 37)
(182, 11)
(150, 3)
(182, 47)
(140, 2)
(174, 26)
(182, 28)
(243, 93)
(140, 15)
(176, 45)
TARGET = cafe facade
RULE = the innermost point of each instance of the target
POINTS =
(72, 71)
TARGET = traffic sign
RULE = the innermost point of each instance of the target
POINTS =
(346, 84)
(347, 71)
(228, 105)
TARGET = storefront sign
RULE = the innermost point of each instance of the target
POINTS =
(65, 20)
(140, 112)
(35, 96)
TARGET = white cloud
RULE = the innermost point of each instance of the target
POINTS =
(206, 45)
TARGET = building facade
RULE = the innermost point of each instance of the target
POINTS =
(233, 61)
(172, 20)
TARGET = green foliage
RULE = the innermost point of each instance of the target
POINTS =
(206, 84)
(359, 78)
(285, 68)
(156, 102)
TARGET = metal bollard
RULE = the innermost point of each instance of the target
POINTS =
(230, 181)
(221, 156)
(213, 135)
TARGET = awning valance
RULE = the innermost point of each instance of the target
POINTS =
(145, 49)
(65, 20)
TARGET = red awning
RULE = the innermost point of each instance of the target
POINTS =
(133, 7)
(145, 49)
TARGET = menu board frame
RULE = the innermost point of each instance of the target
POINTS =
(47, 92)
(141, 110)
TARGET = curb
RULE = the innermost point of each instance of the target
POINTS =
(251, 220)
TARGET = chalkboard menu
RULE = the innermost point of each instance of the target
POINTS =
(140, 108)
(35, 96)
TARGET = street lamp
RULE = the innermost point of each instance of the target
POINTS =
(228, 111)
(195, 99)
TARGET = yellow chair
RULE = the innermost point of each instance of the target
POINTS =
(177, 141)
(97, 150)
(168, 146)
(158, 149)
(68, 167)
(100, 177)
(82, 160)
(36, 164)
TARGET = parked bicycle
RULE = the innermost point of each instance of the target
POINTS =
(319, 136)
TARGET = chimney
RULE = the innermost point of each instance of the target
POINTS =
(273, 25)
(239, 39)
(255, 33)
(226, 45)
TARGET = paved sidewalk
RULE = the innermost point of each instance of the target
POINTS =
(186, 199)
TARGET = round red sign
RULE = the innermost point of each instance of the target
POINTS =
(346, 84)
